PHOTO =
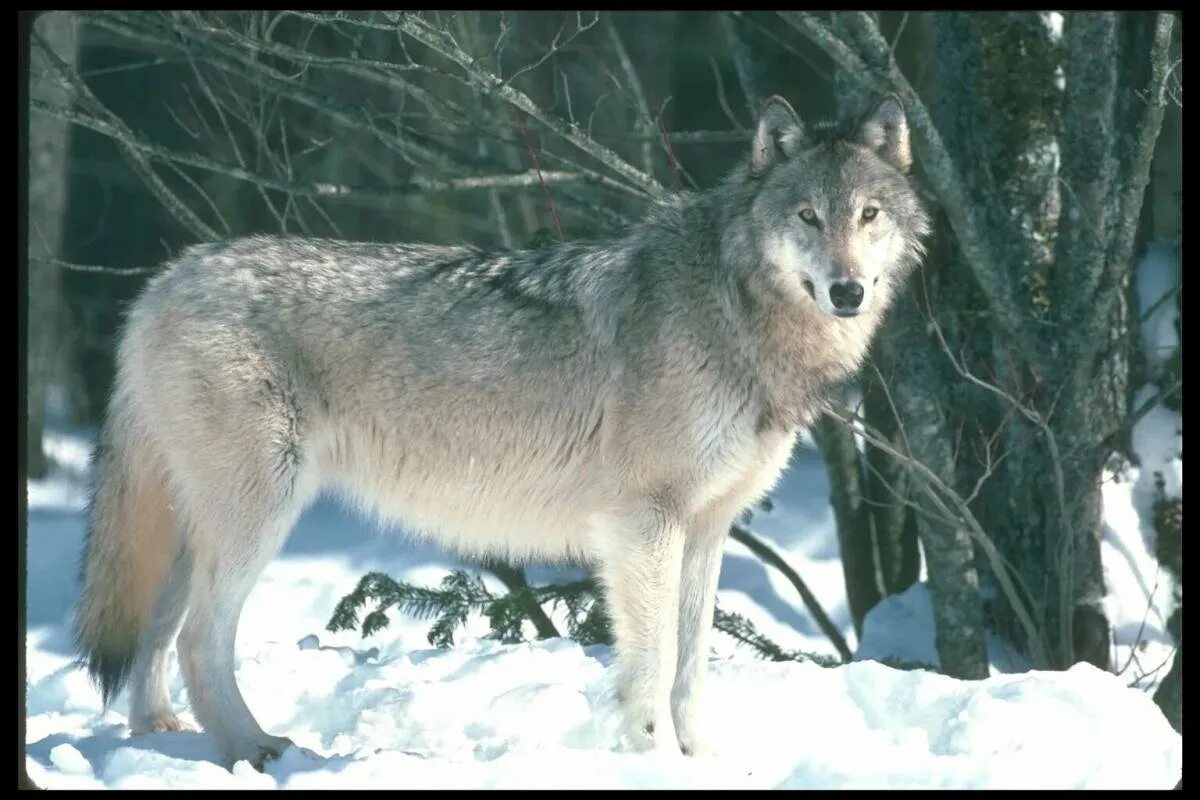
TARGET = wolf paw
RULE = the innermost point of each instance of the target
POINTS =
(694, 746)
(171, 723)
(689, 726)
(160, 723)
(652, 736)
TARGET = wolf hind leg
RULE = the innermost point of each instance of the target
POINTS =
(150, 707)
(240, 498)
(229, 556)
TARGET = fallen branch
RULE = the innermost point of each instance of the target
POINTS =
(763, 551)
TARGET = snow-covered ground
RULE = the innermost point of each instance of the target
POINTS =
(390, 710)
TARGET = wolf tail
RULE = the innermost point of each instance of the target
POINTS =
(132, 541)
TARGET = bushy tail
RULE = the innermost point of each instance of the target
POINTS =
(132, 541)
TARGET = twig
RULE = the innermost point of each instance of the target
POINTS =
(818, 69)
(545, 188)
(414, 186)
(721, 98)
(1166, 297)
(670, 151)
(899, 32)
(943, 495)
(234, 61)
(1144, 674)
(555, 46)
(1142, 627)
(1149, 405)
(645, 124)
(741, 65)
(126, 272)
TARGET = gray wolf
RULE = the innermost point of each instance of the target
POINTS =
(615, 402)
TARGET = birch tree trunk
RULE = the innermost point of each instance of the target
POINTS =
(48, 141)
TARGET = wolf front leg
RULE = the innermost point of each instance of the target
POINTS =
(701, 570)
(641, 574)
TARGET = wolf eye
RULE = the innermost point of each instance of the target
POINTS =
(808, 215)
(869, 213)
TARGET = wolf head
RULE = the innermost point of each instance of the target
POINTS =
(839, 223)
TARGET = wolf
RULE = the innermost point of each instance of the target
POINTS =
(615, 402)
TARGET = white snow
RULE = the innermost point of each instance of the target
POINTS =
(1158, 275)
(1054, 24)
(391, 711)
(1141, 596)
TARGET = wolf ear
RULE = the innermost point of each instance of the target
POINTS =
(778, 135)
(885, 131)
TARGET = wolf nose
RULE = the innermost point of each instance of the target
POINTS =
(846, 295)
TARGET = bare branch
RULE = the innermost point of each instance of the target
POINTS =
(1167, 296)
(742, 65)
(1147, 406)
(721, 98)
(233, 60)
(488, 84)
(416, 185)
(545, 188)
(669, 150)
(556, 45)
(943, 496)
(767, 554)
(1145, 615)
(128, 272)
(136, 160)
(1037, 419)
(899, 32)
(208, 201)
(645, 124)
(818, 69)
(382, 73)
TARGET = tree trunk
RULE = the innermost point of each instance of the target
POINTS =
(889, 487)
(928, 434)
(1036, 441)
(864, 586)
(48, 146)
(1169, 695)
(1010, 377)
